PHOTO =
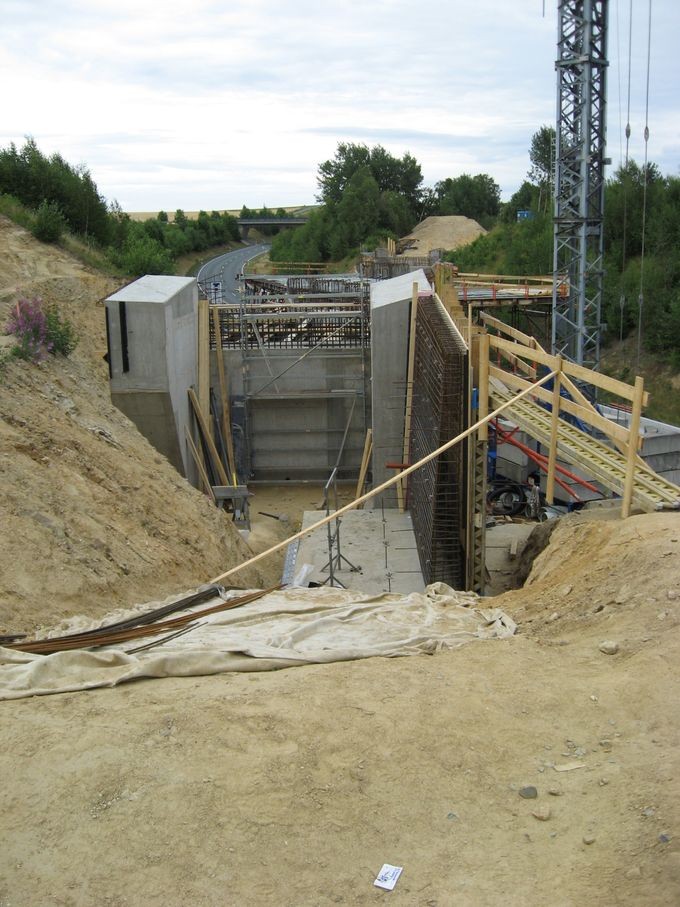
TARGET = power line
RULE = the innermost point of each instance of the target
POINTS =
(644, 188)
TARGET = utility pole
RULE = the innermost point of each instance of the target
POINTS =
(579, 180)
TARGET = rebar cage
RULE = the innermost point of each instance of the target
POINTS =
(437, 493)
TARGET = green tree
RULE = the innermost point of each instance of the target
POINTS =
(525, 199)
(477, 197)
(402, 175)
(181, 220)
(49, 222)
(357, 210)
(542, 156)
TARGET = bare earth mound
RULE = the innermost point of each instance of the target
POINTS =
(448, 232)
(294, 787)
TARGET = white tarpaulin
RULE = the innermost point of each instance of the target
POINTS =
(285, 628)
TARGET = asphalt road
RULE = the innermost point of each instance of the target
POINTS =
(219, 275)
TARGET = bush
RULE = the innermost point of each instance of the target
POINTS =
(61, 334)
(49, 222)
(39, 330)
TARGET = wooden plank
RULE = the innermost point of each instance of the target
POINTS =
(199, 465)
(586, 414)
(409, 388)
(554, 430)
(525, 352)
(620, 441)
(612, 385)
(365, 460)
(588, 376)
(494, 278)
(224, 394)
(374, 492)
(209, 443)
(203, 358)
(520, 364)
(506, 329)
(632, 447)
(483, 386)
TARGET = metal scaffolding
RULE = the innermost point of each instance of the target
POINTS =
(296, 352)
(579, 185)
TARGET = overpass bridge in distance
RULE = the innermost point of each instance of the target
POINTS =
(245, 223)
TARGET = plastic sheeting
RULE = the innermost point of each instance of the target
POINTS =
(286, 628)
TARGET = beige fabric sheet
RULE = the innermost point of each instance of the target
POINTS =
(290, 627)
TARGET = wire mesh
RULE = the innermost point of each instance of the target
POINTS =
(437, 495)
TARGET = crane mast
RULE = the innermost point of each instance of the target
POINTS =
(579, 180)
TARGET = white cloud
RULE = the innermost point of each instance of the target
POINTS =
(216, 104)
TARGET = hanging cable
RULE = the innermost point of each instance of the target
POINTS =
(644, 189)
(622, 297)
(618, 76)
(630, 46)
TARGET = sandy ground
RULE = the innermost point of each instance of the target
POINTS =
(294, 787)
(449, 232)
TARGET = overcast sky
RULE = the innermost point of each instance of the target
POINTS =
(212, 105)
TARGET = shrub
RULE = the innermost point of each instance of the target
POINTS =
(28, 323)
(49, 222)
(39, 330)
(61, 334)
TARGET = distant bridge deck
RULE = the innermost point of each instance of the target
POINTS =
(272, 221)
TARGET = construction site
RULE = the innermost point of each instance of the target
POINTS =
(369, 409)
(329, 588)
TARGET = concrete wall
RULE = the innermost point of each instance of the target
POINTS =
(293, 428)
(390, 318)
(156, 318)
(661, 443)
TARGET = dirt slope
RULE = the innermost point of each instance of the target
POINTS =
(92, 516)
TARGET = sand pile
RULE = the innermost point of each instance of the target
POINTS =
(449, 232)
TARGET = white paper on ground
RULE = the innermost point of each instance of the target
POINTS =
(387, 877)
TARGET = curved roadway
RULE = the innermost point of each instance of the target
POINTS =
(219, 276)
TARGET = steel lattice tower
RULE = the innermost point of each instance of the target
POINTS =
(579, 179)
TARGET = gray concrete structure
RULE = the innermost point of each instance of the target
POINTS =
(152, 342)
(380, 545)
(661, 443)
(390, 318)
(289, 413)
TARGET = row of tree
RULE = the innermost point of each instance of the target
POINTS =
(367, 194)
(66, 197)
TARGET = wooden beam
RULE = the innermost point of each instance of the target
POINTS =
(554, 429)
(570, 368)
(353, 505)
(586, 414)
(409, 388)
(224, 394)
(203, 358)
(632, 446)
(365, 460)
(483, 386)
(209, 443)
(506, 329)
(199, 465)
(605, 382)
